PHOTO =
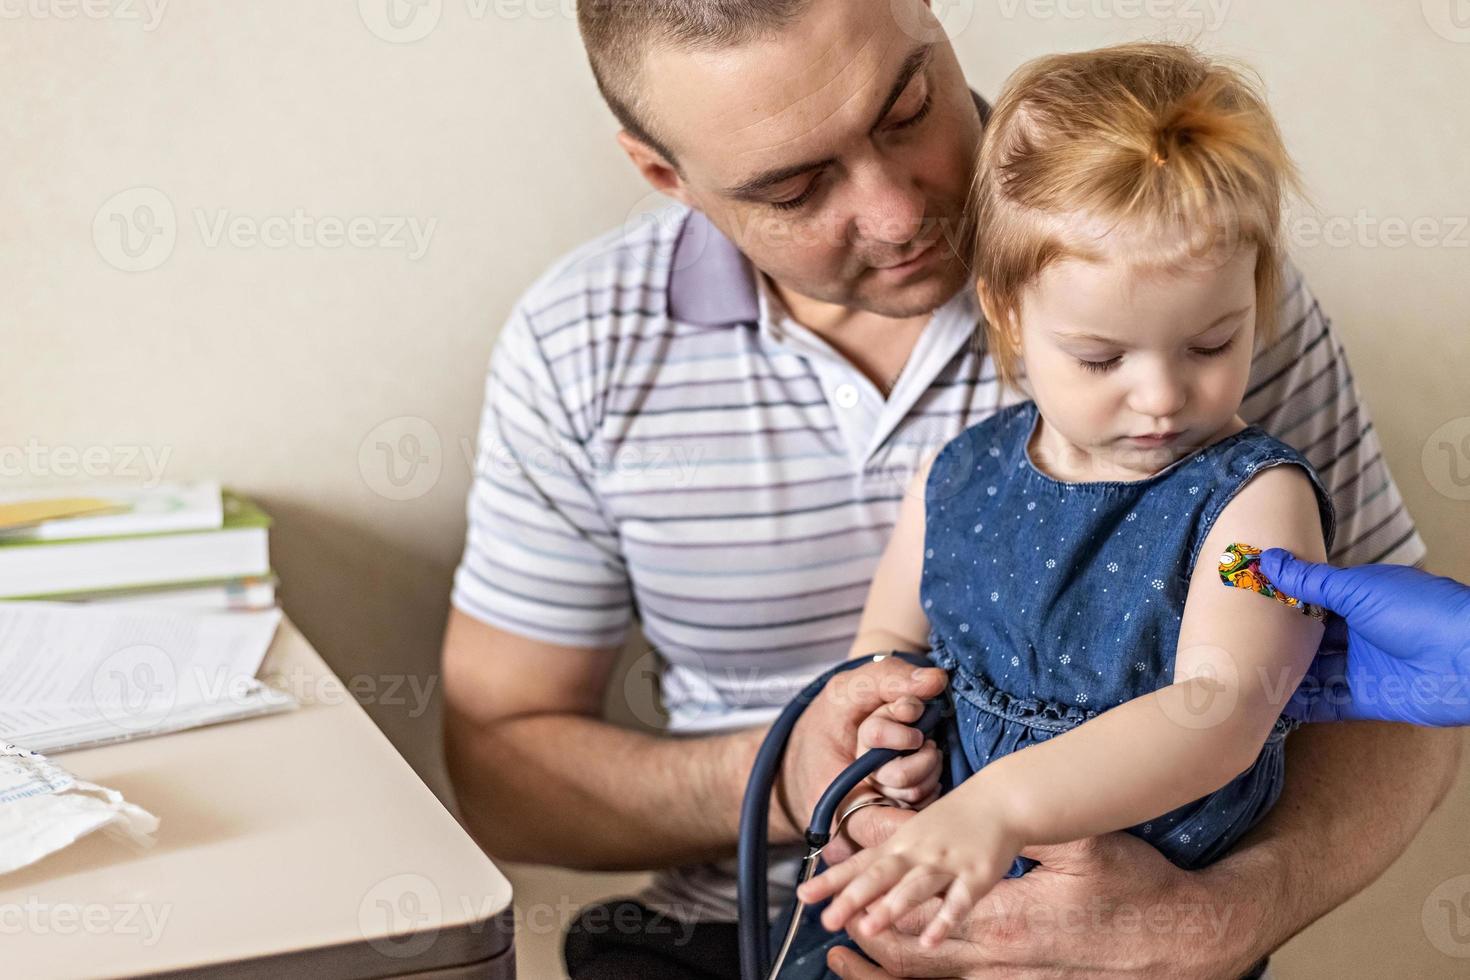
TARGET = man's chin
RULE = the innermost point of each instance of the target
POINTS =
(912, 299)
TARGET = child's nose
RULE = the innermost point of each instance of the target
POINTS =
(1159, 397)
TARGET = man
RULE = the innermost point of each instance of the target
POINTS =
(708, 422)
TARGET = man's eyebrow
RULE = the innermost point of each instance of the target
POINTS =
(1114, 342)
(911, 66)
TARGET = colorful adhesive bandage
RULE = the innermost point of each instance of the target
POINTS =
(1240, 566)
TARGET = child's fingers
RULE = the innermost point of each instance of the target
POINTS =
(835, 878)
(878, 731)
(922, 882)
(863, 890)
(910, 770)
(958, 902)
(912, 796)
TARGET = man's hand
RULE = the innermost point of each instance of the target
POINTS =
(1109, 906)
(825, 739)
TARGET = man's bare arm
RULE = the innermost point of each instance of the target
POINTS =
(540, 777)
(1356, 795)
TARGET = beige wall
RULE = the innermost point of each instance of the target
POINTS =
(282, 369)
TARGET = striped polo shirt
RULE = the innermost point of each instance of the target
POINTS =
(662, 443)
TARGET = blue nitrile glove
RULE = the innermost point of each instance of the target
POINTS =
(1399, 652)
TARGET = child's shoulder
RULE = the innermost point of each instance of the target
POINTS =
(1003, 429)
(1235, 462)
(995, 444)
(1240, 456)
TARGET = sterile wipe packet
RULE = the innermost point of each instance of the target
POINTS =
(43, 808)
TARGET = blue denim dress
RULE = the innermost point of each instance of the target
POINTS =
(1052, 602)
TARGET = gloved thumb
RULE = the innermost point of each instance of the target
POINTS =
(1305, 580)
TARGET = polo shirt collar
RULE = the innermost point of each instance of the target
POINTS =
(710, 280)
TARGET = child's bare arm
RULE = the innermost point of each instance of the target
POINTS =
(1240, 657)
(892, 616)
(893, 619)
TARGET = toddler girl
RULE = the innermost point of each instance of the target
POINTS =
(1060, 558)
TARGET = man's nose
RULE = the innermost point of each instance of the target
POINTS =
(890, 207)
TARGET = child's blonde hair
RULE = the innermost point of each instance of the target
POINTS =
(1151, 138)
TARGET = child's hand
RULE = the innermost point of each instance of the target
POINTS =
(912, 780)
(955, 848)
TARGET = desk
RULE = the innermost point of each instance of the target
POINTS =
(298, 844)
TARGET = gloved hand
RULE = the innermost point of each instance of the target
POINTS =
(1399, 652)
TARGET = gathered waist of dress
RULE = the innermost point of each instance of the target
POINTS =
(1037, 713)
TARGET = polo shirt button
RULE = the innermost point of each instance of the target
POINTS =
(846, 395)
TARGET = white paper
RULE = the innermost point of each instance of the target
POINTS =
(81, 675)
(43, 808)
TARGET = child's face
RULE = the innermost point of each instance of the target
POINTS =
(1118, 356)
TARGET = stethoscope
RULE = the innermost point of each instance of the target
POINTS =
(755, 928)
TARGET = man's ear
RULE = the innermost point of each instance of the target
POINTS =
(659, 173)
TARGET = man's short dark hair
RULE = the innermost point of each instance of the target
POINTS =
(618, 35)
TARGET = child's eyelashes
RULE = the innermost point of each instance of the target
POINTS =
(1215, 351)
(1100, 367)
(1103, 367)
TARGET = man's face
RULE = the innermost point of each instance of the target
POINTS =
(836, 155)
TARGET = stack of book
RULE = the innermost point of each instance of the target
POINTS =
(177, 544)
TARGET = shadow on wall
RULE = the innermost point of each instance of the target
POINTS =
(376, 612)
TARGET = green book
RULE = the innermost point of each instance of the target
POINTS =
(236, 549)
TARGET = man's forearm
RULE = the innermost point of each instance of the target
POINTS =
(578, 792)
(1356, 794)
